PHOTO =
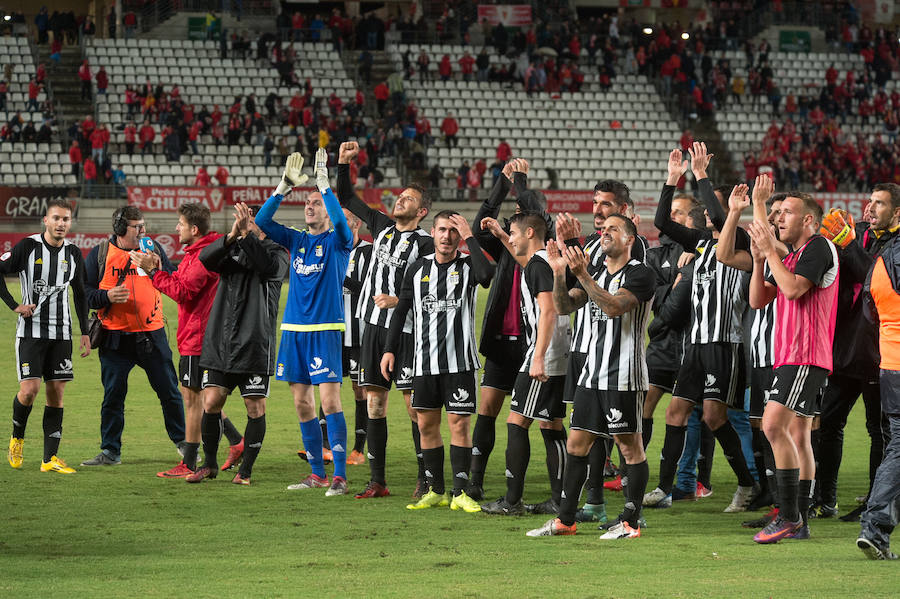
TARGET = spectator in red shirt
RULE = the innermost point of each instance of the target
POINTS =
(382, 93)
(97, 142)
(504, 152)
(449, 127)
(466, 66)
(221, 175)
(130, 23)
(41, 74)
(218, 134)
(307, 116)
(87, 127)
(297, 26)
(193, 134)
(34, 88)
(297, 103)
(687, 140)
(90, 176)
(147, 134)
(423, 130)
(335, 104)
(444, 68)
(85, 75)
(75, 157)
(202, 178)
(102, 80)
(130, 136)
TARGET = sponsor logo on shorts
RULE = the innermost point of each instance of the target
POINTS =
(64, 367)
(187, 377)
(544, 413)
(461, 395)
(406, 373)
(802, 404)
(614, 419)
(254, 380)
(315, 367)
(710, 381)
(353, 364)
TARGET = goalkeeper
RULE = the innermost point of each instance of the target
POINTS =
(310, 350)
(856, 355)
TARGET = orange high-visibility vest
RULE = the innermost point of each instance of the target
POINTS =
(143, 310)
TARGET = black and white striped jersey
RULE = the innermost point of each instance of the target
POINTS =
(443, 315)
(537, 277)
(357, 267)
(616, 357)
(392, 252)
(718, 299)
(762, 333)
(45, 273)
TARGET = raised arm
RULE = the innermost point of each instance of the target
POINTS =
(482, 269)
(726, 253)
(332, 205)
(565, 300)
(699, 163)
(682, 235)
(375, 220)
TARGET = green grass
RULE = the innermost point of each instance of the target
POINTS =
(123, 532)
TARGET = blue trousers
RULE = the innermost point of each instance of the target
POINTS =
(118, 356)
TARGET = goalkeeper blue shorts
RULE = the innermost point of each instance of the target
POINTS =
(310, 357)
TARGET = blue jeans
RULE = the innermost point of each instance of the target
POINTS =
(687, 465)
(118, 355)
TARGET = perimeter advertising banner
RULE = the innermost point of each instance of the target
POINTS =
(509, 15)
(28, 203)
(86, 241)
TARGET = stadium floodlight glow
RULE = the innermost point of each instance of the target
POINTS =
(648, 30)
(7, 17)
(685, 36)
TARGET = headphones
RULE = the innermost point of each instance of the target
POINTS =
(120, 223)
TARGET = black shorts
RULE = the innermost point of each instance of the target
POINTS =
(50, 359)
(538, 400)
(573, 371)
(249, 384)
(760, 384)
(374, 339)
(455, 392)
(663, 379)
(607, 412)
(190, 374)
(712, 371)
(500, 372)
(350, 359)
(799, 388)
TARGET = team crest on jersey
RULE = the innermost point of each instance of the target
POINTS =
(403, 245)
(319, 251)
(453, 277)
(64, 265)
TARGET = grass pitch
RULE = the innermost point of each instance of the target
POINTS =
(122, 532)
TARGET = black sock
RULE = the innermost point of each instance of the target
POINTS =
(417, 443)
(555, 444)
(362, 424)
(190, 455)
(673, 446)
(596, 464)
(460, 460)
(518, 453)
(731, 447)
(705, 461)
(646, 431)
(638, 475)
(788, 491)
(759, 458)
(324, 425)
(804, 497)
(483, 438)
(434, 468)
(231, 432)
(573, 479)
(377, 439)
(20, 418)
(769, 460)
(53, 418)
(253, 440)
(211, 432)
(623, 472)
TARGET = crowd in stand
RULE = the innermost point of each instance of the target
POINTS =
(18, 128)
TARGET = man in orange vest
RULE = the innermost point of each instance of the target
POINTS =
(883, 306)
(132, 315)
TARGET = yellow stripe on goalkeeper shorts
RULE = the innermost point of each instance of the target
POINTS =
(306, 328)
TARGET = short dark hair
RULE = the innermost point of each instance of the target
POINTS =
(725, 190)
(530, 218)
(128, 213)
(444, 214)
(893, 189)
(697, 215)
(809, 204)
(196, 215)
(621, 191)
(426, 197)
(59, 203)
(775, 197)
(629, 224)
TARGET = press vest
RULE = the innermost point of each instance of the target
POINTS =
(143, 309)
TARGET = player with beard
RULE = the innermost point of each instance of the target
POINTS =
(47, 265)
(611, 387)
(806, 285)
(398, 242)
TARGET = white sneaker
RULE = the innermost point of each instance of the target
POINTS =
(742, 498)
(622, 530)
(657, 498)
(552, 528)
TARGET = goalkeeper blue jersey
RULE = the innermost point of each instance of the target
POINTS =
(318, 266)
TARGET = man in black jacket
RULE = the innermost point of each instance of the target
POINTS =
(239, 345)
(856, 355)
(502, 334)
